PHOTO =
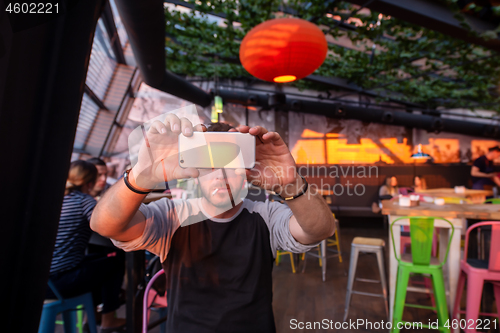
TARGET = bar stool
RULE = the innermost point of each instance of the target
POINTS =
(280, 253)
(323, 251)
(366, 245)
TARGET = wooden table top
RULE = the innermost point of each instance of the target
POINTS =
(469, 211)
(450, 192)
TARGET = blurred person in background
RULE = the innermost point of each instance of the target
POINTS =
(386, 192)
(389, 189)
(102, 173)
(74, 273)
(483, 172)
(97, 243)
(111, 174)
(419, 184)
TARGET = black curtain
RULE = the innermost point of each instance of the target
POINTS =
(43, 65)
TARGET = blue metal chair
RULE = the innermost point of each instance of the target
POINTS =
(68, 308)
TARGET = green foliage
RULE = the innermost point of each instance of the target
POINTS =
(410, 63)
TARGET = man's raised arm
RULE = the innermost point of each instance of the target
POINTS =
(312, 219)
(116, 215)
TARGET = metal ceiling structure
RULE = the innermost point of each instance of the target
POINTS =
(435, 16)
(145, 25)
(431, 123)
(429, 14)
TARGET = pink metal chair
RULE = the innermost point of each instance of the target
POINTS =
(476, 272)
(152, 300)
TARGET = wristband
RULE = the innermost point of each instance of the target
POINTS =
(130, 187)
(304, 190)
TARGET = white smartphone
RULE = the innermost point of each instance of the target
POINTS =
(217, 150)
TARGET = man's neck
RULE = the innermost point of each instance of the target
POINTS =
(215, 211)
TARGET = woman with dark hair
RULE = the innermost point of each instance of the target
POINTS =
(72, 272)
(387, 191)
(419, 184)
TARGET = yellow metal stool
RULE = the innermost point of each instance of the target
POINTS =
(282, 253)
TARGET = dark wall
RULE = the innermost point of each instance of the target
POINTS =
(43, 65)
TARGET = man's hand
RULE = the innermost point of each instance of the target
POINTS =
(158, 155)
(275, 167)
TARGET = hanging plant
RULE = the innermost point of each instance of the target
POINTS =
(413, 63)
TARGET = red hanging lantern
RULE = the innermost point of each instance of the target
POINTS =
(283, 50)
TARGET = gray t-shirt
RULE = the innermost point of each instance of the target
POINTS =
(164, 217)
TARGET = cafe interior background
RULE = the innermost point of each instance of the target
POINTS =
(387, 64)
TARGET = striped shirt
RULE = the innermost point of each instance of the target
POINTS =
(73, 233)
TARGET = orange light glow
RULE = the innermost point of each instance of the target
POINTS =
(316, 148)
(285, 78)
(311, 134)
(334, 135)
(387, 150)
(332, 148)
(442, 150)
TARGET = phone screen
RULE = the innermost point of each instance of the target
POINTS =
(217, 150)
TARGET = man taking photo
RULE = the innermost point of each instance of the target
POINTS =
(219, 270)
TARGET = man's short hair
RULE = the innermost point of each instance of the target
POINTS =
(219, 127)
(496, 148)
(96, 161)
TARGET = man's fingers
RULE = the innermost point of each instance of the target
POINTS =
(243, 128)
(187, 127)
(200, 128)
(258, 130)
(173, 123)
(272, 137)
(157, 127)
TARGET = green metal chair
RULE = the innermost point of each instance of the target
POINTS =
(420, 262)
